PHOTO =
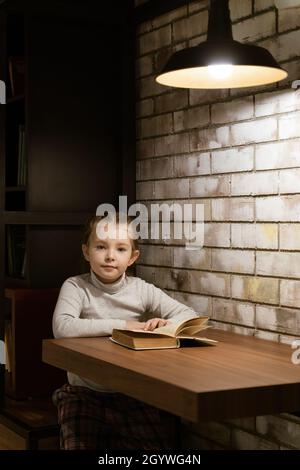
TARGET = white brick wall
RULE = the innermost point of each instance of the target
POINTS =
(238, 153)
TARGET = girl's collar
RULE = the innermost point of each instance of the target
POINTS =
(109, 288)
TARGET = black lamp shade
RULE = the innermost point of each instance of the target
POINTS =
(247, 65)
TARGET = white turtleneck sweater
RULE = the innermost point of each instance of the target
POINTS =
(88, 307)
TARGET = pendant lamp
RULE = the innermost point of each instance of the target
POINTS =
(220, 62)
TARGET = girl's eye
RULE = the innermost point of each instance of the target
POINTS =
(122, 249)
(99, 247)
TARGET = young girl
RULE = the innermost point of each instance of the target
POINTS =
(92, 304)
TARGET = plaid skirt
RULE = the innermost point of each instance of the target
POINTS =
(94, 420)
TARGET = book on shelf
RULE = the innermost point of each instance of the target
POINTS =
(169, 336)
(16, 67)
(16, 250)
(22, 163)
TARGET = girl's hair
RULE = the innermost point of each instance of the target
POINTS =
(93, 221)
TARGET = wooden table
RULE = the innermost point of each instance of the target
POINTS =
(241, 376)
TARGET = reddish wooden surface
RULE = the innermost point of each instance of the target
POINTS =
(241, 376)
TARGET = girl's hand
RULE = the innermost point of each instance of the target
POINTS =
(135, 325)
(153, 323)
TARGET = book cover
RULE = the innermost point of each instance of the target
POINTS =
(169, 336)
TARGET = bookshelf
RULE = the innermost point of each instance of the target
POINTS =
(67, 139)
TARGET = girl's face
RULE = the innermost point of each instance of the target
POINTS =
(110, 255)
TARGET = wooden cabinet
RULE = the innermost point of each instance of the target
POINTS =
(28, 319)
(67, 144)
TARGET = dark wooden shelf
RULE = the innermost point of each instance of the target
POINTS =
(9, 189)
(45, 218)
(16, 282)
(15, 99)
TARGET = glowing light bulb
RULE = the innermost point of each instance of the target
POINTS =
(220, 71)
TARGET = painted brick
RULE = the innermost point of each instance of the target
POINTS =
(144, 27)
(255, 28)
(235, 261)
(171, 101)
(256, 289)
(254, 131)
(192, 164)
(289, 236)
(207, 96)
(144, 108)
(239, 92)
(169, 17)
(157, 168)
(157, 125)
(199, 303)
(160, 58)
(236, 110)
(160, 234)
(254, 236)
(195, 41)
(288, 19)
(235, 209)
(210, 283)
(278, 208)
(138, 170)
(240, 9)
(145, 148)
(278, 155)
(278, 264)
(194, 6)
(172, 144)
(232, 311)
(168, 189)
(174, 279)
(219, 431)
(283, 320)
(191, 118)
(155, 40)
(146, 272)
(210, 138)
(144, 66)
(242, 440)
(292, 68)
(290, 293)
(194, 25)
(281, 101)
(206, 207)
(260, 334)
(279, 429)
(156, 255)
(248, 424)
(217, 234)
(284, 47)
(254, 183)
(288, 126)
(147, 87)
(210, 186)
(233, 160)
(144, 190)
(289, 181)
(260, 5)
(192, 259)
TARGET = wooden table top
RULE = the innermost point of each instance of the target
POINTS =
(241, 376)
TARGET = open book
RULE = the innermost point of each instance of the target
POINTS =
(168, 336)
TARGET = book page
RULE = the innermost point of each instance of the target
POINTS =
(175, 329)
